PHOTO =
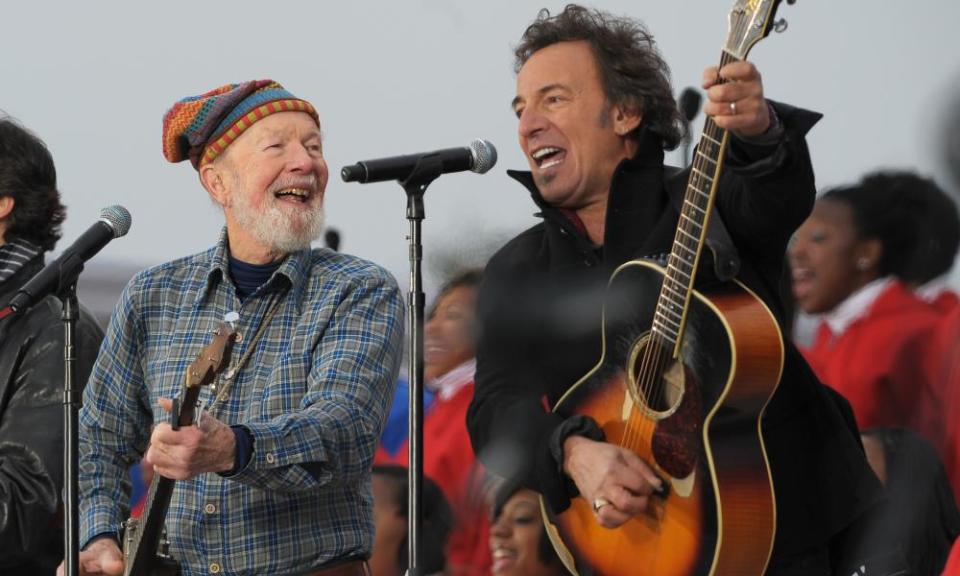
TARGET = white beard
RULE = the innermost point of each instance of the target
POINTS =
(281, 228)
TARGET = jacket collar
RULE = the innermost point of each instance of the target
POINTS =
(636, 202)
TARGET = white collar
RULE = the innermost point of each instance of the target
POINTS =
(934, 288)
(855, 306)
(449, 384)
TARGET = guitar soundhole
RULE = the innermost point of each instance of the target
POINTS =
(657, 380)
(668, 393)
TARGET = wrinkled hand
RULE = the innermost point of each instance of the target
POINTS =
(101, 557)
(738, 105)
(612, 473)
(191, 450)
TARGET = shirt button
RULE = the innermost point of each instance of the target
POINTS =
(214, 568)
(271, 458)
(209, 508)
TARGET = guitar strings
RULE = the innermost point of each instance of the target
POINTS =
(654, 357)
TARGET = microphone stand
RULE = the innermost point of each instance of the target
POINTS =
(427, 170)
(71, 409)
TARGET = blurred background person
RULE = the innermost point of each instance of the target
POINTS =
(938, 237)
(31, 360)
(519, 545)
(918, 521)
(448, 458)
(849, 262)
(390, 552)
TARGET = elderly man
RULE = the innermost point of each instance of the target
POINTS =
(31, 360)
(595, 113)
(275, 478)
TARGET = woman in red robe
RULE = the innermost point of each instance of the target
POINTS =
(448, 457)
(849, 260)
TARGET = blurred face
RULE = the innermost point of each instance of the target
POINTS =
(572, 138)
(447, 338)
(273, 177)
(827, 259)
(390, 529)
(515, 538)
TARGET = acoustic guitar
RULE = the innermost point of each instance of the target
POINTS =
(683, 382)
(145, 549)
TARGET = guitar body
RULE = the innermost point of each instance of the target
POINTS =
(697, 424)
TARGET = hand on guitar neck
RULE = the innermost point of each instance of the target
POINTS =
(735, 99)
(192, 450)
(609, 475)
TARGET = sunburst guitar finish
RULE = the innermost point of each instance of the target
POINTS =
(697, 426)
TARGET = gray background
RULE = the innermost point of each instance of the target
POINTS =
(93, 79)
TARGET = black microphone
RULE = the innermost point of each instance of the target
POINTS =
(689, 103)
(479, 157)
(332, 239)
(62, 272)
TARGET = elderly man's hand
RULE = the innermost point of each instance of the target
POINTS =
(102, 557)
(191, 450)
(737, 105)
(613, 479)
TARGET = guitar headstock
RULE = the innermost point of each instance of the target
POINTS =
(213, 358)
(750, 22)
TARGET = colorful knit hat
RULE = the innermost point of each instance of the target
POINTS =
(201, 127)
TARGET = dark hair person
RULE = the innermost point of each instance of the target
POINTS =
(519, 545)
(391, 516)
(852, 261)
(31, 359)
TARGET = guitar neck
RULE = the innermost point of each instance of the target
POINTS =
(146, 539)
(671, 310)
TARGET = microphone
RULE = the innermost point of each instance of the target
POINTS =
(114, 222)
(689, 103)
(332, 239)
(479, 157)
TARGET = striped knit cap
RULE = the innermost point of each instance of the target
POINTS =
(199, 128)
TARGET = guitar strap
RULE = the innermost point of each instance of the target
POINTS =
(726, 260)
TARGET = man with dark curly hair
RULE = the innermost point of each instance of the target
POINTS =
(595, 114)
(31, 360)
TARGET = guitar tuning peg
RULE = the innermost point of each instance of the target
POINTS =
(780, 26)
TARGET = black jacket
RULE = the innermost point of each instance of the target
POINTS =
(541, 304)
(31, 427)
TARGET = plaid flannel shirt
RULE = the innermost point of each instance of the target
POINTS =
(314, 395)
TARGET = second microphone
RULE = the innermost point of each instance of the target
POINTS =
(480, 156)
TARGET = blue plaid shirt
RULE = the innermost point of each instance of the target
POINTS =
(313, 394)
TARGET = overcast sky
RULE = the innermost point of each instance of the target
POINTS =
(93, 79)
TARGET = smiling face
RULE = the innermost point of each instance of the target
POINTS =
(448, 334)
(572, 137)
(515, 538)
(828, 259)
(270, 182)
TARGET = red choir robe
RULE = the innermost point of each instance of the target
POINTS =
(875, 362)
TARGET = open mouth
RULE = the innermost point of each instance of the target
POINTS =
(301, 195)
(503, 559)
(803, 281)
(548, 157)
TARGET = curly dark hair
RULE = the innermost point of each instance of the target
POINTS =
(28, 176)
(633, 73)
(914, 219)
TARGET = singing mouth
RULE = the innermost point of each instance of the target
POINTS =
(548, 156)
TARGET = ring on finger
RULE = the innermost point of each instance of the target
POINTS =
(599, 503)
(733, 108)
